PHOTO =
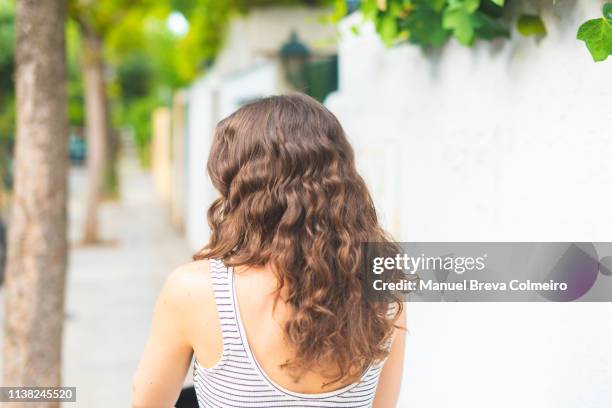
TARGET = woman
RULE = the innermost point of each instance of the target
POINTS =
(272, 307)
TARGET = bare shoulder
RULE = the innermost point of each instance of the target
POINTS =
(191, 302)
(188, 286)
(194, 275)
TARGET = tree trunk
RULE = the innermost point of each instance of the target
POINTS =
(37, 246)
(111, 176)
(96, 129)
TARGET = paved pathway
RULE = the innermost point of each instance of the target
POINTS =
(112, 288)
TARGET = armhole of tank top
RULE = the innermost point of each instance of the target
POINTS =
(391, 315)
(224, 304)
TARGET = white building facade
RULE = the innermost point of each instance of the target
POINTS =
(509, 141)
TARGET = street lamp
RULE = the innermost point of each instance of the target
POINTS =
(294, 56)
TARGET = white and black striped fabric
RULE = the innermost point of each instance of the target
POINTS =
(237, 380)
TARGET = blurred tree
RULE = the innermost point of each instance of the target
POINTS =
(37, 247)
(134, 76)
(137, 101)
(7, 93)
(96, 126)
(150, 62)
(208, 20)
(7, 47)
(76, 101)
(130, 39)
(97, 20)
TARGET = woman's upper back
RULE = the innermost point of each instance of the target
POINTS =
(239, 361)
(289, 197)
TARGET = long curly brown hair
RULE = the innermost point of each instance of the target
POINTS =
(291, 198)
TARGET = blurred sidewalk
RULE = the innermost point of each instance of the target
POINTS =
(111, 288)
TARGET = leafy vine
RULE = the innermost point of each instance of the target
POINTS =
(431, 23)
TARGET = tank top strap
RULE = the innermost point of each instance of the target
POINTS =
(237, 380)
(221, 278)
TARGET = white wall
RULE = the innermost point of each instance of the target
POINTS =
(259, 35)
(531, 355)
(508, 141)
(212, 98)
(201, 119)
(242, 87)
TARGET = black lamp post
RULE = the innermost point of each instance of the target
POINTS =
(294, 56)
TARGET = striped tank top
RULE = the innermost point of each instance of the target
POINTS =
(237, 379)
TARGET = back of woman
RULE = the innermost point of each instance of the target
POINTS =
(272, 307)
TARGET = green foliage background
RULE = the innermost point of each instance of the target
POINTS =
(7, 66)
(7, 91)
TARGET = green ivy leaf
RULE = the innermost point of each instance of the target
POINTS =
(396, 9)
(458, 17)
(388, 29)
(459, 21)
(488, 28)
(469, 5)
(597, 34)
(436, 5)
(425, 27)
(529, 24)
(381, 4)
(369, 8)
(607, 11)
